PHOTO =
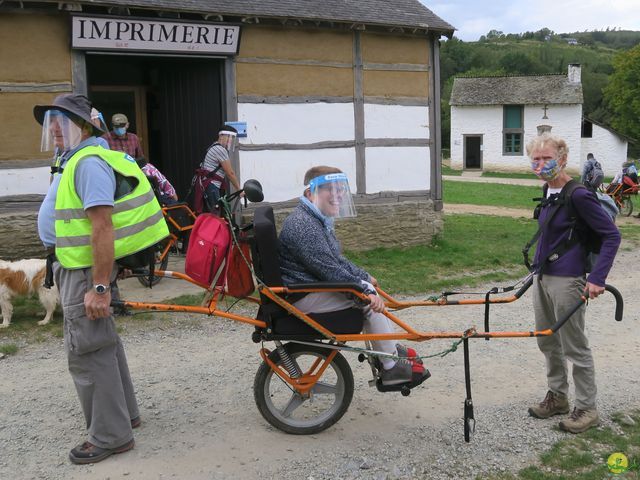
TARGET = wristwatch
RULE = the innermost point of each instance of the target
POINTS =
(101, 289)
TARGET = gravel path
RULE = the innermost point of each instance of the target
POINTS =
(194, 378)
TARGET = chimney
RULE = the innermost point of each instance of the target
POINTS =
(574, 73)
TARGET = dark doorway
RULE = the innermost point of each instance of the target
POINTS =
(174, 104)
(473, 152)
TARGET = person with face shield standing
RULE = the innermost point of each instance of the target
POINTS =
(310, 252)
(214, 168)
(565, 213)
(86, 222)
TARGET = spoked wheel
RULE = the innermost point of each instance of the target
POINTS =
(304, 414)
(160, 264)
(626, 206)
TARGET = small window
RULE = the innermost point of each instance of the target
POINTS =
(513, 130)
(587, 129)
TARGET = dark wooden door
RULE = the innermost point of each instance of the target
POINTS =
(472, 152)
(185, 105)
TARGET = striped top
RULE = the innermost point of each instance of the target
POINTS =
(215, 156)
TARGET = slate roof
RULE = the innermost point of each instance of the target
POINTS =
(515, 90)
(392, 13)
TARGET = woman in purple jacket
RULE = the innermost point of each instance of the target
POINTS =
(560, 280)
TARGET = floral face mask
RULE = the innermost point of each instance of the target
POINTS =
(549, 171)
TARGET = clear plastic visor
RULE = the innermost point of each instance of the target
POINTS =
(228, 140)
(98, 120)
(59, 132)
(332, 196)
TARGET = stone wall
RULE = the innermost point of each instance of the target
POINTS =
(389, 220)
(19, 230)
(382, 221)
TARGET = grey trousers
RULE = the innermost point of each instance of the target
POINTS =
(553, 296)
(97, 363)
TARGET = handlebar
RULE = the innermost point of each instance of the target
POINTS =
(609, 288)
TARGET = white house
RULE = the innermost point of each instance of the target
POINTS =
(493, 119)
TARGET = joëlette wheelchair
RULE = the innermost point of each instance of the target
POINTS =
(304, 384)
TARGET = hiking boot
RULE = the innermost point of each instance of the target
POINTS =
(408, 352)
(580, 420)
(553, 404)
(401, 372)
(87, 452)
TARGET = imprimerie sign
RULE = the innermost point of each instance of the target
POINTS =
(135, 34)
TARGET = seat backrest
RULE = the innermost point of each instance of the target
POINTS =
(265, 247)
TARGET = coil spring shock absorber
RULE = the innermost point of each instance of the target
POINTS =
(288, 362)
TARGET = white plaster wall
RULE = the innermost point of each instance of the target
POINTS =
(398, 169)
(566, 121)
(24, 181)
(300, 123)
(608, 148)
(281, 172)
(396, 121)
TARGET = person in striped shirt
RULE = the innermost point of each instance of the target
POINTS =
(216, 166)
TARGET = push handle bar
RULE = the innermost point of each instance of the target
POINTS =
(609, 288)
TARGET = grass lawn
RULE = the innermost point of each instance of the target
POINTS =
(494, 194)
(473, 249)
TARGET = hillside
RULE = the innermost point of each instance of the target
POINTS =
(533, 53)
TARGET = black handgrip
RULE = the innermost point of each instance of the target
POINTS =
(619, 301)
(619, 308)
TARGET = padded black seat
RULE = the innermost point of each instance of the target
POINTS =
(267, 268)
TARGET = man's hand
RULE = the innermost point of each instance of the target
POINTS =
(376, 303)
(373, 281)
(97, 306)
(593, 291)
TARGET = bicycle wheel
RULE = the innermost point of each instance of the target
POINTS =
(291, 412)
(160, 264)
(626, 207)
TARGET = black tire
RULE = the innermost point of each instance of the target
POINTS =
(160, 265)
(626, 207)
(270, 392)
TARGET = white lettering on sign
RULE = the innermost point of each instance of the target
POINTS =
(113, 33)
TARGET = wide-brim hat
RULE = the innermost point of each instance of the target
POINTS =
(72, 103)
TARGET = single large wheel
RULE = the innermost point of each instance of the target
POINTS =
(626, 207)
(160, 264)
(324, 405)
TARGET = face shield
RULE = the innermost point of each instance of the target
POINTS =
(59, 132)
(331, 194)
(98, 120)
(228, 139)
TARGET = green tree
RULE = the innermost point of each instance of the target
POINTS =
(622, 94)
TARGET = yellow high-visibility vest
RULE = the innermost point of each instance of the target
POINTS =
(137, 217)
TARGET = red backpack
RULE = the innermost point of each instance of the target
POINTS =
(208, 248)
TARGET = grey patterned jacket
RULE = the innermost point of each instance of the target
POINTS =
(310, 252)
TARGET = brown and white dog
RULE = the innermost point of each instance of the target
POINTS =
(25, 277)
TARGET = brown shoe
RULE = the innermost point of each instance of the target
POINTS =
(87, 452)
(553, 404)
(136, 422)
(580, 420)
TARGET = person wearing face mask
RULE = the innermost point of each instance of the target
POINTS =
(121, 140)
(560, 278)
(310, 252)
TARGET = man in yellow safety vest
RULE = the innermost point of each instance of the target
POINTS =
(99, 209)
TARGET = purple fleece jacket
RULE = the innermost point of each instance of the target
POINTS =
(572, 263)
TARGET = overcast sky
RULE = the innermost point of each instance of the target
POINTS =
(473, 18)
